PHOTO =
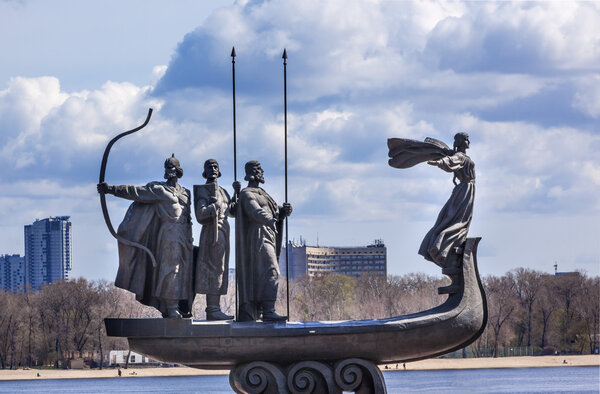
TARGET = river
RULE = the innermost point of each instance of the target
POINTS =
(517, 380)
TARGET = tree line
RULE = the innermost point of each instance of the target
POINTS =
(64, 320)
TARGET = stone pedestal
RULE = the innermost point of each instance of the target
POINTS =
(352, 374)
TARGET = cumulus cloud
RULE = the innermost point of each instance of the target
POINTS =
(544, 37)
(521, 78)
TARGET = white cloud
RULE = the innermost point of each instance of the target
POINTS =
(358, 73)
(519, 37)
(587, 97)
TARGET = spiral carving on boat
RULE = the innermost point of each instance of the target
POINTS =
(257, 377)
(358, 375)
(311, 377)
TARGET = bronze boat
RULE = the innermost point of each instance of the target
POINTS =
(456, 323)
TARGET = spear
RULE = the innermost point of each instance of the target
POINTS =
(234, 141)
(287, 246)
(234, 162)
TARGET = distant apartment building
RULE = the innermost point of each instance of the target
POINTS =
(352, 261)
(12, 273)
(47, 251)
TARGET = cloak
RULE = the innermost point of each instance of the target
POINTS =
(159, 218)
(136, 272)
(406, 153)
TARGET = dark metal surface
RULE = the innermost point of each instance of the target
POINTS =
(233, 55)
(287, 246)
(354, 375)
(450, 326)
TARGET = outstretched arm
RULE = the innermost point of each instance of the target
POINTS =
(449, 163)
(146, 194)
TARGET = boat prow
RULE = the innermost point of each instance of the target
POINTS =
(456, 323)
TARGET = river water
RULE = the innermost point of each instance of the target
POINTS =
(518, 380)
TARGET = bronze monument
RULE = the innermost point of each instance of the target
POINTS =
(275, 355)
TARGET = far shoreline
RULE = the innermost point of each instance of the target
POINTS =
(592, 360)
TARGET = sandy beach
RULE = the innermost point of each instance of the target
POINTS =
(430, 364)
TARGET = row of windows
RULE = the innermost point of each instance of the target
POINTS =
(334, 268)
(347, 262)
(343, 255)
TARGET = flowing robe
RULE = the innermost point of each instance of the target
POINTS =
(160, 219)
(259, 222)
(452, 225)
(212, 262)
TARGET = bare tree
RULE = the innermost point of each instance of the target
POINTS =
(566, 289)
(528, 284)
(588, 302)
(501, 295)
(546, 307)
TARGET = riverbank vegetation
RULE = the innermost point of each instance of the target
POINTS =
(545, 313)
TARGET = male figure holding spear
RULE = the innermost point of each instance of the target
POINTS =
(259, 225)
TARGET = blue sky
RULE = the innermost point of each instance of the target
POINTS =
(522, 78)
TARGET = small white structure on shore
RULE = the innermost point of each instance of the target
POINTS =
(120, 357)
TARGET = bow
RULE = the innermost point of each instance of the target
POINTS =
(103, 196)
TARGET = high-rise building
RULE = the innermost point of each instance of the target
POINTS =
(352, 261)
(12, 273)
(47, 251)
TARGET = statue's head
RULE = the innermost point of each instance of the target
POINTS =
(211, 169)
(461, 140)
(173, 168)
(254, 172)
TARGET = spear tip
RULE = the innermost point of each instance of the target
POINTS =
(284, 54)
(233, 52)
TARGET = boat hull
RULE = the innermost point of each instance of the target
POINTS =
(222, 345)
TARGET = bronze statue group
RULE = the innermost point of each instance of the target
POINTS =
(160, 219)
(167, 271)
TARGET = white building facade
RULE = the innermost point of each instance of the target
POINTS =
(119, 357)
(352, 261)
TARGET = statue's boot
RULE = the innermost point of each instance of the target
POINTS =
(172, 309)
(184, 309)
(268, 312)
(213, 309)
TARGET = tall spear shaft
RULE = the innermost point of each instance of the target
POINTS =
(287, 245)
(234, 135)
(234, 162)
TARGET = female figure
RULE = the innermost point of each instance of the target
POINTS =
(452, 225)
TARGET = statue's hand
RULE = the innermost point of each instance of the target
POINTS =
(104, 188)
(287, 208)
(432, 162)
(237, 186)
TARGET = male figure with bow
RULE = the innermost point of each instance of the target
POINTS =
(159, 219)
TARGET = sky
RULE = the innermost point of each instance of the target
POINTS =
(523, 79)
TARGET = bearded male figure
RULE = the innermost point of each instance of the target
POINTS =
(160, 219)
(259, 221)
(212, 206)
